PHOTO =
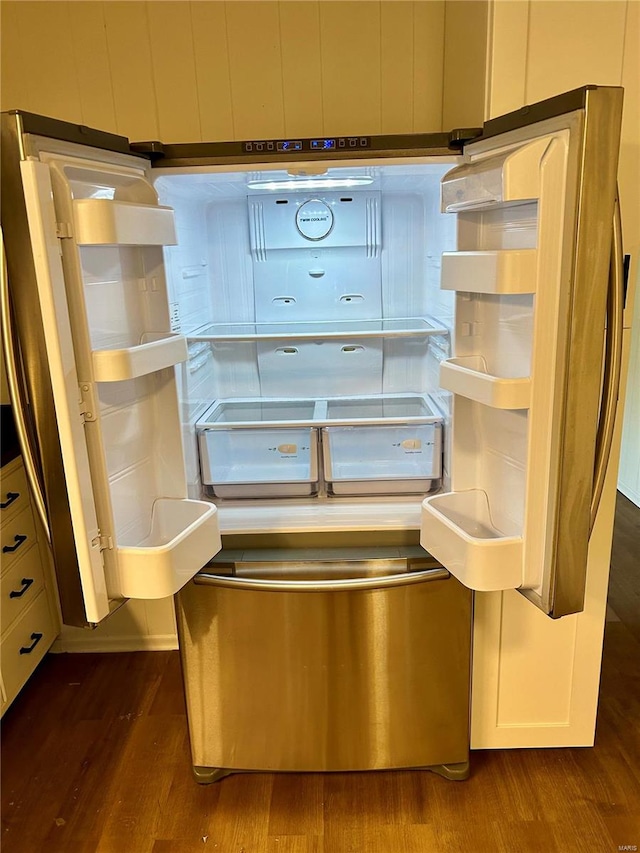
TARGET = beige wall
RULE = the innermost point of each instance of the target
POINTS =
(538, 49)
(191, 71)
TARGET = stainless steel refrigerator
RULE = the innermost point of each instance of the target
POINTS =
(369, 369)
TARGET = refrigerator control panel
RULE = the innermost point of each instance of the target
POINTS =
(288, 146)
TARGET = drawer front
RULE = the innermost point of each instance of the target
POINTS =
(18, 535)
(19, 586)
(14, 493)
(259, 457)
(24, 646)
(406, 455)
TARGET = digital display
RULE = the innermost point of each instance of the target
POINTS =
(323, 144)
(289, 146)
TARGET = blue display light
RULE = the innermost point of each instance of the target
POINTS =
(289, 145)
(323, 144)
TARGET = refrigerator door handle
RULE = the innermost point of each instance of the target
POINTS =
(19, 399)
(342, 585)
(612, 363)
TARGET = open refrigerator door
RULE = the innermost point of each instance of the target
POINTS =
(534, 207)
(97, 232)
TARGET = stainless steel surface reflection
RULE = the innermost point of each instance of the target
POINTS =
(345, 680)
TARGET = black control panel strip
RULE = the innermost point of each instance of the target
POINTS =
(319, 148)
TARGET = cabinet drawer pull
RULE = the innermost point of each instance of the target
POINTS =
(26, 650)
(11, 497)
(19, 538)
(18, 593)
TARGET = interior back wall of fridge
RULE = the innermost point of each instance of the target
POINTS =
(215, 276)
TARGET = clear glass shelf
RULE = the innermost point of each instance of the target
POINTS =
(387, 328)
(261, 412)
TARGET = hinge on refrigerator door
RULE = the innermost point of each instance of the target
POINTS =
(88, 403)
(102, 542)
(64, 230)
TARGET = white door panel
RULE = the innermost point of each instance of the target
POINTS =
(51, 291)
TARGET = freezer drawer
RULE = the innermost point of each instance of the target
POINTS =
(344, 679)
(382, 459)
(249, 463)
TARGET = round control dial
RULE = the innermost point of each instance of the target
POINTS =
(314, 219)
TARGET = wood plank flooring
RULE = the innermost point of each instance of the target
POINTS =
(96, 760)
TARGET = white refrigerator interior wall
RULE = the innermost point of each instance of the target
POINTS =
(242, 283)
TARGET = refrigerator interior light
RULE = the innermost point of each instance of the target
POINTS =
(316, 183)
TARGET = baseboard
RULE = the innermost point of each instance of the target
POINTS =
(135, 643)
(633, 496)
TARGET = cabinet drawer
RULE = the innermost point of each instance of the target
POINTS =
(17, 536)
(20, 585)
(14, 493)
(24, 646)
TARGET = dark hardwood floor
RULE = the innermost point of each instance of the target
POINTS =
(96, 760)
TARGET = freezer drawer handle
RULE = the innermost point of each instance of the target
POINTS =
(342, 585)
(19, 538)
(18, 593)
(26, 650)
(11, 497)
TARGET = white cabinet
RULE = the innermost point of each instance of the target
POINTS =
(28, 617)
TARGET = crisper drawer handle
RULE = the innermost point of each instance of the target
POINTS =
(342, 585)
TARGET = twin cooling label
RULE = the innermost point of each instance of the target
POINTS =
(314, 219)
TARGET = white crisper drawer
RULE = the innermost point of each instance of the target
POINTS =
(382, 459)
(259, 462)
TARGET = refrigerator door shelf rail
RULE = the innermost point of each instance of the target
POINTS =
(105, 222)
(159, 351)
(505, 271)
(403, 327)
(469, 377)
(184, 536)
(457, 529)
